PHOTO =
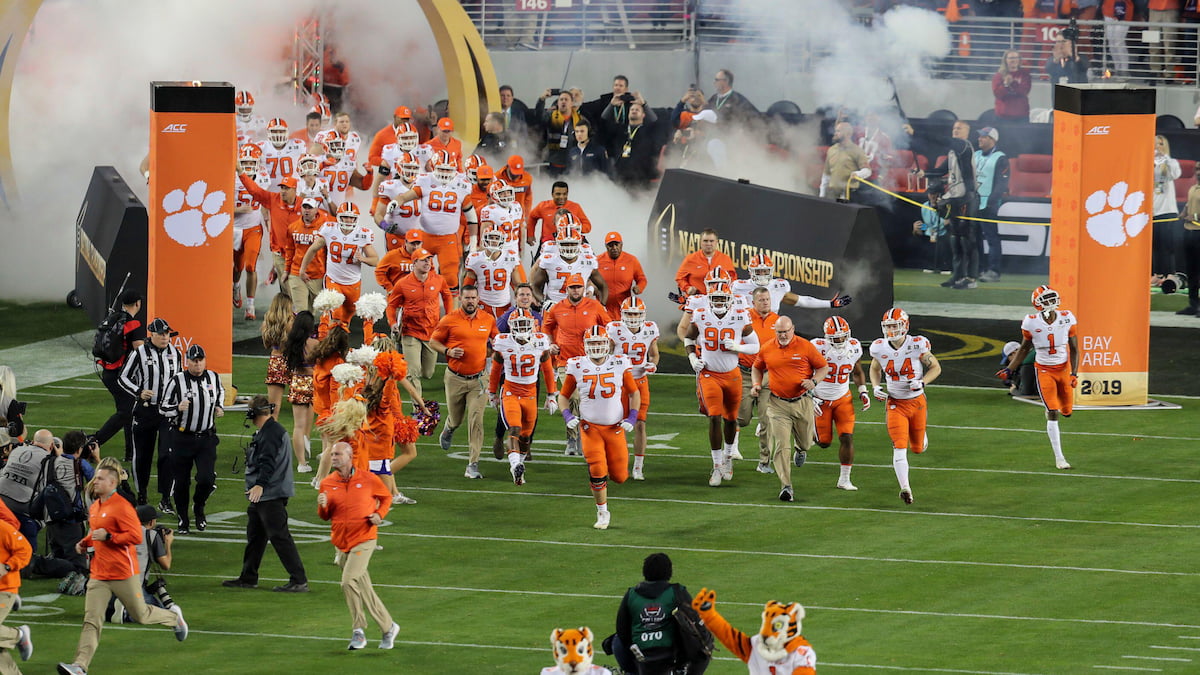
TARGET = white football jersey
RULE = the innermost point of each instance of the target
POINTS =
(281, 162)
(522, 362)
(352, 139)
(777, 287)
(341, 252)
(594, 670)
(404, 218)
(558, 270)
(802, 657)
(509, 218)
(315, 191)
(246, 221)
(551, 248)
(841, 365)
(902, 364)
(601, 399)
(696, 302)
(252, 130)
(423, 154)
(441, 205)
(1050, 340)
(494, 277)
(337, 177)
(634, 346)
(716, 329)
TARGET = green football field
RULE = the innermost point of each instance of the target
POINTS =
(1003, 564)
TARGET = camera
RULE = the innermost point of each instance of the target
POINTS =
(162, 530)
(1071, 32)
(627, 97)
(555, 92)
(158, 589)
(89, 450)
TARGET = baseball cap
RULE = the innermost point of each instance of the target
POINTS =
(413, 235)
(146, 513)
(195, 353)
(446, 124)
(289, 182)
(990, 132)
(421, 254)
(573, 280)
(5, 438)
(516, 165)
(161, 326)
(1007, 351)
(485, 171)
(612, 236)
(402, 111)
(309, 201)
(705, 116)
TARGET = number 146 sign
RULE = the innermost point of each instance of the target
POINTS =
(541, 5)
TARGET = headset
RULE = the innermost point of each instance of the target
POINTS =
(252, 412)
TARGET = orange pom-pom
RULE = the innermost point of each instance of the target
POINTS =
(405, 430)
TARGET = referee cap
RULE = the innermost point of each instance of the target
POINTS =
(161, 327)
(195, 353)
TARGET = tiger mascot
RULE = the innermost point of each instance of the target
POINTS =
(573, 653)
(777, 649)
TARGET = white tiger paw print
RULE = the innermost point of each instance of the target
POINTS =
(201, 221)
(1115, 216)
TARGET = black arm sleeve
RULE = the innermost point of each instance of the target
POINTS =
(624, 624)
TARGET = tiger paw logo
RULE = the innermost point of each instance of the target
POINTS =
(1114, 216)
(193, 217)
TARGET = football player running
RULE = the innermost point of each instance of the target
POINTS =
(517, 357)
(1051, 333)
(835, 405)
(280, 154)
(312, 185)
(443, 196)
(347, 245)
(762, 275)
(717, 335)
(340, 172)
(493, 271)
(251, 128)
(606, 390)
(393, 218)
(559, 262)
(247, 228)
(637, 339)
(504, 211)
(908, 364)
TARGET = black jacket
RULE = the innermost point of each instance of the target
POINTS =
(269, 462)
(589, 160)
(637, 168)
(647, 589)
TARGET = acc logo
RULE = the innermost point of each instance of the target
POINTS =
(1099, 130)
(175, 129)
(1115, 217)
(193, 217)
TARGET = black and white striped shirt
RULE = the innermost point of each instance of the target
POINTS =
(205, 394)
(150, 368)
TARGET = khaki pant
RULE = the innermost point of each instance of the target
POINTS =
(746, 412)
(280, 266)
(356, 585)
(8, 637)
(303, 292)
(422, 360)
(560, 374)
(466, 398)
(129, 592)
(788, 420)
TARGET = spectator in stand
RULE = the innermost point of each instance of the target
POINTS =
(1117, 14)
(587, 156)
(495, 143)
(991, 174)
(616, 117)
(515, 113)
(413, 309)
(689, 104)
(636, 161)
(1066, 64)
(543, 215)
(515, 175)
(843, 160)
(593, 110)
(621, 271)
(313, 125)
(559, 125)
(731, 106)
(1011, 85)
(1166, 170)
(1162, 61)
(696, 266)
(445, 140)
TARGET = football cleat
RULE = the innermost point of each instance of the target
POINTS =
(518, 473)
(237, 297)
(1062, 464)
(249, 315)
(714, 480)
(603, 518)
(638, 475)
(846, 485)
(727, 469)
(906, 495)
(734, 453)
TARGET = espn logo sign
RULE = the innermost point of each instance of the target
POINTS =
(175, 129)
(1099, 130)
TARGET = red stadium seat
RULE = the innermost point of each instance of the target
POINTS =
(1030, 176)
(1187, 178)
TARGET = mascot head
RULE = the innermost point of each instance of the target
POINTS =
(572, 649)
(780, 626)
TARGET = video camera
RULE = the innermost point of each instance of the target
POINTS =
(1071, 32)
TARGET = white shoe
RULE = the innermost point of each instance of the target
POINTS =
(602, 520)
(786, 494)
(734, 453)
(727, 469)
(638, 475)
(337, 557)
(388, 640)
(181, 628)
(715, 479)
(846, 485)
(518, 473)
(472, 471)
(316, 484)
(304, 468)
(400, 498)
(24, 643)
(249, 315)
(906, 495)
(358, 639)
(763, 467)
(1062, 464)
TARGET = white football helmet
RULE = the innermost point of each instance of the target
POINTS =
(895, 324)
(407, 138)
(408, 167)
(568, 239)
(501, 192)
(308, 166)
(522, 324)
(837, 333)
(335, 147)
(493, 238)
(596, 343)
(277, 132)
(347, 217)
(762, 270)
(633, 313)
(719, 297)
(243, 103)
(445, 168)
(1045, 299)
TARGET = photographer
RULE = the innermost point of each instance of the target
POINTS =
(63, 533)
(647, 641)
(1066, 64)
(618, 117)
(23, 478)
(268, 487)
(12, 411)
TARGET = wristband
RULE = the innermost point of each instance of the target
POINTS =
(567, 415)
(631, 419)
(688, 342)
(862, 389)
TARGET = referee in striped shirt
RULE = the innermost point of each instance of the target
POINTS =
(145, 376)
(192, 402)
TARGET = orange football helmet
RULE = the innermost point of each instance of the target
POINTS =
(243, 102)
(837, 332)
(1045, 299)
(762, 269)
(473, 162)
(501, 192)
(895, 323)
(633, 313)
(596, 343)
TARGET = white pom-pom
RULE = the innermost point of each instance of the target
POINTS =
(371, 306)
(327, 301)
(347, 374)
(363, 356)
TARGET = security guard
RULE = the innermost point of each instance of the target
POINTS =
(193, 402)
(145, 376)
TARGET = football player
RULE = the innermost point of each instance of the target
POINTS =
(478, 198)
(251, 128)
(247, 228)
(493, 271)
(503, 210)
(606, 390)
(280, 153)
(762, 275)
(347, 245)
(311, 184)
(340, 172)
(517, 357)
(1051, 333)
(835, 406)
(443, 194)
(715, 276)
(395, 219)
(637, 340)
(717, 335)
(560, 262)
(908, 364)
(351, 141)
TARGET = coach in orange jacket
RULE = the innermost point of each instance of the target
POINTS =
(355, 502)
(693, 269)
(284, 208)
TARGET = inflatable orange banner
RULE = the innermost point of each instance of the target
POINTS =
(192, 153)
(1101, 208)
